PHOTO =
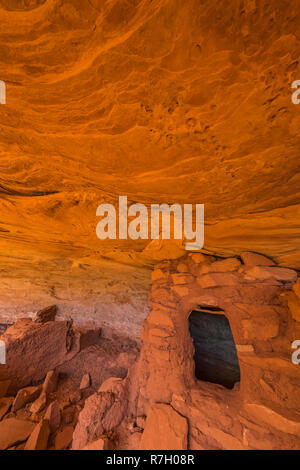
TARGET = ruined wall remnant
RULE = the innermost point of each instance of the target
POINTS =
(262, 410)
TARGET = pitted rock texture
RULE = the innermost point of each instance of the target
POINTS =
(164, 101)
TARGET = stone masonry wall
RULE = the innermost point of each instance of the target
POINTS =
(261, 303)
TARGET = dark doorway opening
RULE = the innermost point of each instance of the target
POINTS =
(215, 356)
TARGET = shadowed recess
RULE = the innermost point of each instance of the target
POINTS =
(215, 352)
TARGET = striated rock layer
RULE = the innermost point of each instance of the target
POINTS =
(164, 101)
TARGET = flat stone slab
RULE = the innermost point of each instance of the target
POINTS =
(13, 431)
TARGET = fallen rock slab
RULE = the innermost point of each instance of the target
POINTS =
(222, 266)
(32, 349)
(51, 381)
(217, 279)
(90, 426)
(254, 259)
(266, 272)
(39, 437)
(14, 431)
(53, 416)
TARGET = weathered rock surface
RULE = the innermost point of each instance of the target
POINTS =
(102, 412)
(63, 438)
(265, 272)
(53, 415)
(115, 299)
(260, 409)
(13, 431)
(46, 314)
(222, 266)
(165, 429)
(90, 423)
(255, 259)
(32, 349)
(50, 382)
(38, 439)
(39, 404)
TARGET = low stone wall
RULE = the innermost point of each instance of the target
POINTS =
(261, 304)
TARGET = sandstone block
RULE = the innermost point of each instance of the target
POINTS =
(263, 322)
(165, 429)
(85, 382)
(255, 259)
(180, 278)
(51, 381)
(200, 258)
(159, 332)
(64, 438)
(32, 349)
(180, 290)
(265, 272)
(53, 416)
(90, 426)
(222, 266)
(160, 317)
(38, 439)
(245, 348)
(14, 431)
(158, 274)
(39, 404)
(182, 268)
(217, 279)
(273, 419)
(259, 329)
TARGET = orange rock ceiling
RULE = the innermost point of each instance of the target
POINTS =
(163, 101)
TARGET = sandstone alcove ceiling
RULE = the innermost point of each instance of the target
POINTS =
(168, 101)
